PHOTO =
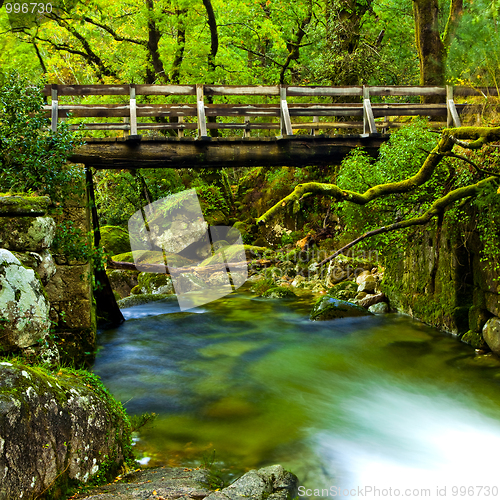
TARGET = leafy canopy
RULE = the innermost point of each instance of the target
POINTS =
(32, 157)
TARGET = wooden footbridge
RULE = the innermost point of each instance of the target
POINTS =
(248, 125)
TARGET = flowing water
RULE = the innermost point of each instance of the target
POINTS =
(371, 402)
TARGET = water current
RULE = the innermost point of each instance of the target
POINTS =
(354, 404)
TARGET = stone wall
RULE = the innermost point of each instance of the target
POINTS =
(439, 279)
(27, 230)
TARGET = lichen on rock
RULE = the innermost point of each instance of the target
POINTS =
(24, 307)
(56, 430)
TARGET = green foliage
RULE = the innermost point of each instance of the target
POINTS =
(77, 245)
(261, 286)
(399, 158)
(473, 57)
(32, 158)
(140, 421)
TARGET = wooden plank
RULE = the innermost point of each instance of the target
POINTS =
(406, 91)
(54, 108)
(165, 89)
(368, 118)
(242, 90)
(202, 122)
(286, 124)
(324, 91)
(88, 90)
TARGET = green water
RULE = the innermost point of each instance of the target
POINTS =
(379, 399)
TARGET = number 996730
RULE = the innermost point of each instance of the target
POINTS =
(28, 8)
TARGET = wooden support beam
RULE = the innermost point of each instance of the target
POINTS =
(223, 152)
(200, 106)
(133, 111)
(180, 131)
(246, 130)
(55, 108)
(314, 130)
(368, 118)
(286, 124)
(452, 118)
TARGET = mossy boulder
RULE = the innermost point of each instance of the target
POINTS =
(491, 334)
(345, 290)
(279, 292)
(138, 300)
(27, 234)
(57, 430)
(115, 240)
(151, 257)
(155, 283)
(328, 307)
(19, 204)
(24, 306)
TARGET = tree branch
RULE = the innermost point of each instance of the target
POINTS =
(436, 208)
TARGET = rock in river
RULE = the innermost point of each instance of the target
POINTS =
(330, 308)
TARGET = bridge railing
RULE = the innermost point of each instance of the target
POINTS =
(198, 110)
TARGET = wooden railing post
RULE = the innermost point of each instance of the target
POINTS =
(133, 111)
(200, 106)
(55, 108)
(285, 122)
(180, 130)
(452, 117)
(246, 130)
(368, 119)
(314, 130)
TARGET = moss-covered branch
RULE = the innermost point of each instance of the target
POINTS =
(436, 208)
(450, 137)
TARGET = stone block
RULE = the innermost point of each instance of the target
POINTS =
(70, 283)
(27, 234)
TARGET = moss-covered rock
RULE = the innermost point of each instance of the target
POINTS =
(331, 308)
(155, 283)
(115, 240)
(21, 204)
(27, 234)
(491, 334)
(279, 292)
(345, 290)
(137, 300)
(57, 430)
(122, 281)
(151, 257)
(24, 306)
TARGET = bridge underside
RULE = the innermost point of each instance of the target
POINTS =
(293, 151)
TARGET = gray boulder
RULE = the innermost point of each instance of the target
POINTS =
(55, 430)
(379, 308)
(178, 482)
(24, 307)
(269, 482)
(328, 307)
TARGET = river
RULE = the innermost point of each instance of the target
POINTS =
(373, 402)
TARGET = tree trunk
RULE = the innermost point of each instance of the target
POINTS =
(431, 50)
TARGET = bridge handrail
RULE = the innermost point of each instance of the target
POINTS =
(284, 109)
